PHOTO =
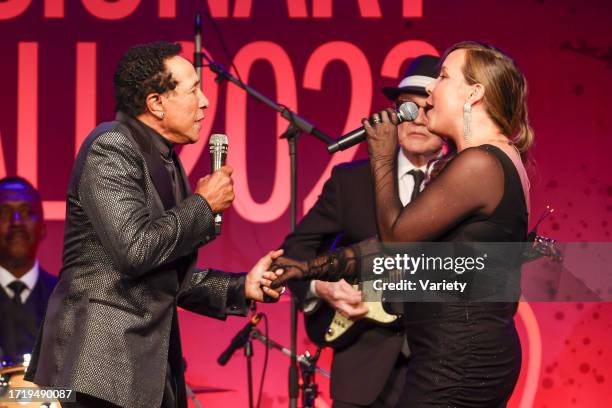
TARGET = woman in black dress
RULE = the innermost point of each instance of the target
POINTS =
(463, 353)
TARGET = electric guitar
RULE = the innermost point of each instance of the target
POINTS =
(328, 328)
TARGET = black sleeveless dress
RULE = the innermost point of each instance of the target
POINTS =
(464, 352)
(468, 354)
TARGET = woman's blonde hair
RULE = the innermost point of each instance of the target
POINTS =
(505, 96)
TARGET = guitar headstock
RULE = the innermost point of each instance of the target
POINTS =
(542, 247)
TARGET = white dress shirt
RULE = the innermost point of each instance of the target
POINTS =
(405, 183)
(29, 279)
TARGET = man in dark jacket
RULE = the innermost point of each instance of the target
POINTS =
(26, 286)
(369, 371)
(133, 228)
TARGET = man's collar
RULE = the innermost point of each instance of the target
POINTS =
(404, 165)
(29, 279)
(160, 143)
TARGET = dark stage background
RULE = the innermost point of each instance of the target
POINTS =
(326, 60)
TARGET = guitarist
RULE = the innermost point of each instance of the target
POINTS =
(369, 372)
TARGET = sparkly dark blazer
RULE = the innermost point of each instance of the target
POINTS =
(110, 330)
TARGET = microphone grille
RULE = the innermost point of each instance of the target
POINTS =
(218, 139)
(408, 111)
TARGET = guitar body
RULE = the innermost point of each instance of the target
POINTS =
(328, 328)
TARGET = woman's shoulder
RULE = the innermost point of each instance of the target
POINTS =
(478, 159)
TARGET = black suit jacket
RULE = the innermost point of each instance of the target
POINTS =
(19, 328)
(344, 213)
(129, 255)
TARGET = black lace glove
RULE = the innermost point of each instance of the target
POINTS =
(341, 263)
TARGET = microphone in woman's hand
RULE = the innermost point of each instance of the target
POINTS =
(407, 112)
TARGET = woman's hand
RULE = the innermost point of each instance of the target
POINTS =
(291, 270)
(382, 135)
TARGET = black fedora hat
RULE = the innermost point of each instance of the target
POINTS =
(421, 71)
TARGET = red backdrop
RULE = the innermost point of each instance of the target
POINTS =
(326, 60)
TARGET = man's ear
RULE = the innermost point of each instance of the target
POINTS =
(154, 105)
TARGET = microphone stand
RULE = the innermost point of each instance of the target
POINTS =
(248, 353)
(302, 124)
(310, 389)
(296, 126)
(291, 134)
(243, 339)
(304, 359)
(308, 367)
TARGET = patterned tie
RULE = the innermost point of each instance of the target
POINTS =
(17, 287)
(418, 176)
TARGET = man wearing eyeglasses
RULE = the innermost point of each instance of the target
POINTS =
(25, 286)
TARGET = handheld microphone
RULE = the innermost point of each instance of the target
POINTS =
(239, 340)
(197, 55)
(407, 112)
(218, 146)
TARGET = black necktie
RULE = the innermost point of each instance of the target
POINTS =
(17, 287)
(171, 166)
(418, 176)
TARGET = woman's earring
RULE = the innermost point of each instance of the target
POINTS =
(467, 117)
